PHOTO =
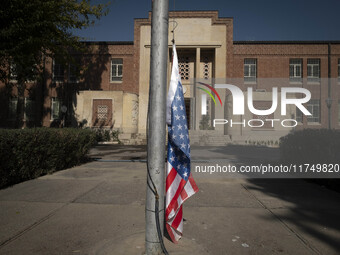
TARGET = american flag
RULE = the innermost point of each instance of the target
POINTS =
(180, 184)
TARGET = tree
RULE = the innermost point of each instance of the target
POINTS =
(33, 30)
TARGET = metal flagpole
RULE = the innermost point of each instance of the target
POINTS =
(156, 127)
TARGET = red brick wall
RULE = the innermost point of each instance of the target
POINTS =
(273, 62)
(99, 69)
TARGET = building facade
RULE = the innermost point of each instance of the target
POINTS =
(113, 89)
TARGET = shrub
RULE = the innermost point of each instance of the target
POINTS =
(29, 153)
(311, 146)
(106, 135)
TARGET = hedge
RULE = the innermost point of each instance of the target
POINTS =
(311, 146)
(28, 153)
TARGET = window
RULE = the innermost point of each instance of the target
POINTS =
(13, 74)
(29, 112)
(73, 72)
(339, 111)
(55, 108)
(184, 68)
(261, 119)
(116, 69)
(313, 70)
(12, 108)
(102, 112)
(339, 70)
(298, 117)
(295, 70)
(250, 70)
(313, 106)
(58, 71)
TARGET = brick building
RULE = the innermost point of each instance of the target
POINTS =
(114, 88)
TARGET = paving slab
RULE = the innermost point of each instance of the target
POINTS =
(320, 228)
(240, 231)
(78, 229)
(227, 194)
(111, 193)
(44, 190)
(17, 217)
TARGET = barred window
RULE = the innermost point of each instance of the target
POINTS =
(184, 68)
(313, 106)
(295, 70)
(313, 70)
(206, 68)
(250, 69)
(116, 69)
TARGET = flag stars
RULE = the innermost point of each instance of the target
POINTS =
(178, 98)
(181, 107)
(183, 117)
(172, 159)
(174, 108)
(185, 174)
(183, 145)
(181, 136)
(179, 126)
(173, 137)
(177, 117)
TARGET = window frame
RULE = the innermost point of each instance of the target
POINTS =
(251, 76)
(298, 116)
(311, 77)
(118, 76)
(339, 112)
(53, 100)
(338, 70)
(61, 77)
(73, 74)
(29, 116)
(12, 114)
(13, 75)
(311, 108)
(294, 77)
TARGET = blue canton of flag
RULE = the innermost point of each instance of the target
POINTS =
(178, 136)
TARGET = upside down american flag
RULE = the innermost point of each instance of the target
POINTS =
(180, 184)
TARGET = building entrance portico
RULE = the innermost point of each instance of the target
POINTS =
(202, 40)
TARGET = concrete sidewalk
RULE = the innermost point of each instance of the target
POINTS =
(98, 208)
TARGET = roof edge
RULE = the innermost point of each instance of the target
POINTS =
(108, 42)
